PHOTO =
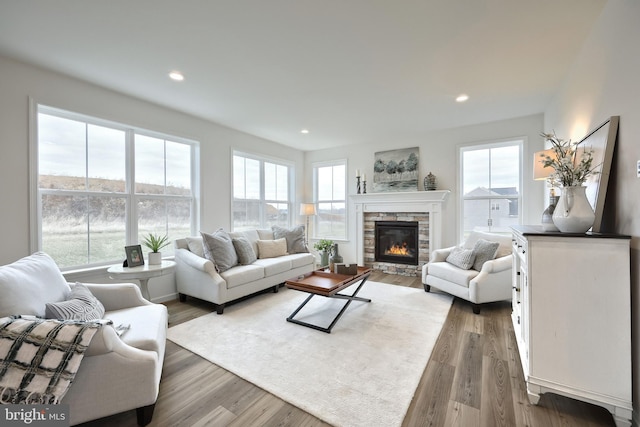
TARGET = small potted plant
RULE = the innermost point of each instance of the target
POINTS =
(324, 246)
(155, 242)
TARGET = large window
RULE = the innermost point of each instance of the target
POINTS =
(491, 180)
(330, 195)
(261, 192)
(102, 186)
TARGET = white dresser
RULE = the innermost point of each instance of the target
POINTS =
(572, 316)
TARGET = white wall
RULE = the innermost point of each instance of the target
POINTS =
(603, 83)
(439, 155)
(19, 81)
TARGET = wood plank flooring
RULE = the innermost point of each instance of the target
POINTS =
(473, 379)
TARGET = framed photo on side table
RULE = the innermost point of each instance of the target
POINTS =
(134, 255)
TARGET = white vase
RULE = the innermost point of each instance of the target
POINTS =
(155, 258)
(573, 213)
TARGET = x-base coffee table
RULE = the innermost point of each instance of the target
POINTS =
(328, 285)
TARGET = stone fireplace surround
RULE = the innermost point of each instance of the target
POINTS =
(425, 207)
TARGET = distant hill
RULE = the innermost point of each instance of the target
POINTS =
(73, 209)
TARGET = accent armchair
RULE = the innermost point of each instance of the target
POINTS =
(117, 373)
(484, 282)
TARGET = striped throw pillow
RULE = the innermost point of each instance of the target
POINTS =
(81, 305)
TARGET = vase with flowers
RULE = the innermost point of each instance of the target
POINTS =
(572, 165)
(324, 247)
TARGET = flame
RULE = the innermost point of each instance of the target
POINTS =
(402, 250)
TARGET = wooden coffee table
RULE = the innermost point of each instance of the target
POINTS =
(328, 285)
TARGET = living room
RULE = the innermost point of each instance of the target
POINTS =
(601, 81)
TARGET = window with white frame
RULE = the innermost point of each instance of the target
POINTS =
(491, 182)
(330, 188)
(102, 186)
(262, 192)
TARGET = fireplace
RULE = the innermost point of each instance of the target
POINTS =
(425, 207)
(397, 242)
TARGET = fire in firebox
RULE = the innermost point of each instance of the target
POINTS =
(396, 242)
(398, 249)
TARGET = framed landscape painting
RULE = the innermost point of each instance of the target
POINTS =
(396, 170)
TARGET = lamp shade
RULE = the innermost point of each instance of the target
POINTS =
(539, 171)
(307, 209)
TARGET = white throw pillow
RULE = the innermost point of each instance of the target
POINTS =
(195, 246)
(505, 241)
(29, 283)
(272, 248)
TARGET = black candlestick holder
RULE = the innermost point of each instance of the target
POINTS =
(364, 187)
(358, 184)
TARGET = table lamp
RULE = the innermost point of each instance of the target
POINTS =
(307, 209)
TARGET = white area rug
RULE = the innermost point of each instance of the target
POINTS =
(362, 374)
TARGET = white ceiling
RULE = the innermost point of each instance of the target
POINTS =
(351, 71)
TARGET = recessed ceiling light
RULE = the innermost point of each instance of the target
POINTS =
(462, 97)
(305, 131)
(176, 75)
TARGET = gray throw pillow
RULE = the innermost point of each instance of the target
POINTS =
(484, 251)
(294, 237)
(244, 250)
(218, 248)
(81, 305)
(462, 258)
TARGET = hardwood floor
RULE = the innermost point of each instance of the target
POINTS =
(473, 378)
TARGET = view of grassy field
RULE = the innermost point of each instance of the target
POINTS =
(81, 229)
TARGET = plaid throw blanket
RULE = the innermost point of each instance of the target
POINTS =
(40, 357)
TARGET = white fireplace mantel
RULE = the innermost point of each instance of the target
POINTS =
(430, 202)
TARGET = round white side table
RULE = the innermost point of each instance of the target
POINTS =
(141, 273)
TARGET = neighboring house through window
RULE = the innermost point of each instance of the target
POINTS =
(330, 188)
(101, 186)
(490, 183)
(262, 192)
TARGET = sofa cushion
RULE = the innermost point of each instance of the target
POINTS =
(148, 326)
(294, 237)
(273, 266)
(242, 274)
(272, 248)
(195, 245)
(29, 283)
(265, 234)
(301, 260)
(504, 240)
(244, 250)
(218, 248)
(461, 257)
(81, 305)
(449, 272)
(484, 251)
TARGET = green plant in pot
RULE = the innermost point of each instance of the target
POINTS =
(324, 246)
(155, 242)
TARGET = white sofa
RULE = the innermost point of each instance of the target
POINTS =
(197, 277)
(117, 373)
(491, 283)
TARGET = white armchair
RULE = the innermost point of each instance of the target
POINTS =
(491, 283)
(117, 373)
